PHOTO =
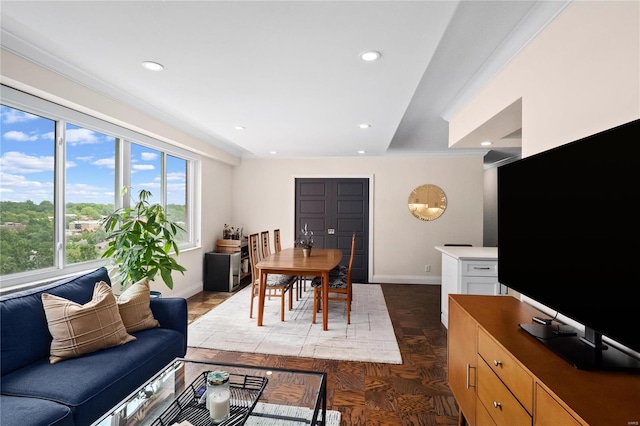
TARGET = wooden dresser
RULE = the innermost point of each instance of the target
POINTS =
(500, 375)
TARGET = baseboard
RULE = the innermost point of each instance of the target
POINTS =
(187, 292)
(406, 279)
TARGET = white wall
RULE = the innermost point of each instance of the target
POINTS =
(576, 78)
(401, 244)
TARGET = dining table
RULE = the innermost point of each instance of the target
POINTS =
(292, 261)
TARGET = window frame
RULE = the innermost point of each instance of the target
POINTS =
(124, 137)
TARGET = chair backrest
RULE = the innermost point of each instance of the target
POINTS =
(254, 254)
(277, 245)
(353, 249)
(266, 244)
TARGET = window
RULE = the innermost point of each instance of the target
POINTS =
(177, 194)
(26, 191)
(89, 194)
(61, 172)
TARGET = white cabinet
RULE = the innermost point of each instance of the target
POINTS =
(468, 270)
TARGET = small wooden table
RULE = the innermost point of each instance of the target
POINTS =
(291, 261)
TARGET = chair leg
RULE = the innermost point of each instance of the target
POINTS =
(291, 289)
(282, 305)
(253, 294)
(349, 307)
(315, 307)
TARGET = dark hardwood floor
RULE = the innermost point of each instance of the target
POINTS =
(414, 393)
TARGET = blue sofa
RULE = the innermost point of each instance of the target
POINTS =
(76, 391)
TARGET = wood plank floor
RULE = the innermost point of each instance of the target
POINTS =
(414, 393)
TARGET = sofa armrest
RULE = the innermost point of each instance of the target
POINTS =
(171, 312)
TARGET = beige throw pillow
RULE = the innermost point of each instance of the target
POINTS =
(82, 329)
(134, 307)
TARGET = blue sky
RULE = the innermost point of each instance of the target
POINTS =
(27, 163)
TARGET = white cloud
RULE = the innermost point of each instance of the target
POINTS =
(82, 193)
(142, 167)
(176, 176)
(14, 135)
(87, 158)
(82, 137)
(146, 185)
(11, 116)
(109, 163)
(19, 162)
(176, 187)
(17, 188)
(149, 156)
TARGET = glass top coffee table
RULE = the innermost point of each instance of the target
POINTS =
(259, 396)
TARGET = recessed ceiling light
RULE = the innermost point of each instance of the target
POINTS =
(486, 143)
(152, 66)
(273, 152)
(239, 127)
(362, 151)
(365, 126)
(370, 55)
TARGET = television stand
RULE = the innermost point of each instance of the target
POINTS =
(584, 353)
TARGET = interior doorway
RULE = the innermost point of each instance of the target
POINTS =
(334, 208)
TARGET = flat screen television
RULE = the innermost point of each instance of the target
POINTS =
(569, 238)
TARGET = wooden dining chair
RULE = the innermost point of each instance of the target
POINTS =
(264, 251)
(277, 247)
(339, 285)
(277, 244)
(278, 285)
(265, 244)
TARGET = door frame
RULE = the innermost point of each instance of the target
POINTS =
(291, 195)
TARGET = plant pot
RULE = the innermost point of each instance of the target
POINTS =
(306, 252)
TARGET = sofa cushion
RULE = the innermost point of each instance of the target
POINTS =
(21, 315)
(134, 307)
(33, 412)
(81, 329)
(94, 383)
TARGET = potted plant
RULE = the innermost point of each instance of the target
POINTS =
(140, 240)
(306, 242)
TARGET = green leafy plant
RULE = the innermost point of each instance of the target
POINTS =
(140, 240)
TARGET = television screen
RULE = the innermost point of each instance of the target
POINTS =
(568, 231)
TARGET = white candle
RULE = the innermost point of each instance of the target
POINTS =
(219, 404)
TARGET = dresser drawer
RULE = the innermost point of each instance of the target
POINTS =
(549, 412)
(507, 369)
(480, 268)
(501, 405)
(483, 418)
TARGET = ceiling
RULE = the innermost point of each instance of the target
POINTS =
(288, 72)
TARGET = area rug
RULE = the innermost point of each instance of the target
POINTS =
(369, 337)
(291, 413)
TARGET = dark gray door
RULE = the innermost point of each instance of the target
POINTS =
(334, 208)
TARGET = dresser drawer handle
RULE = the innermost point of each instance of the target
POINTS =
(469, 385)
(497, 363)
(482, 267)
(497, 404)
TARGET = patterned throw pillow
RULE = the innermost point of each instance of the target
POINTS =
(134, 307)
(81, 329)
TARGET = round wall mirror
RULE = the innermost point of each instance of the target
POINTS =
(427, 202)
